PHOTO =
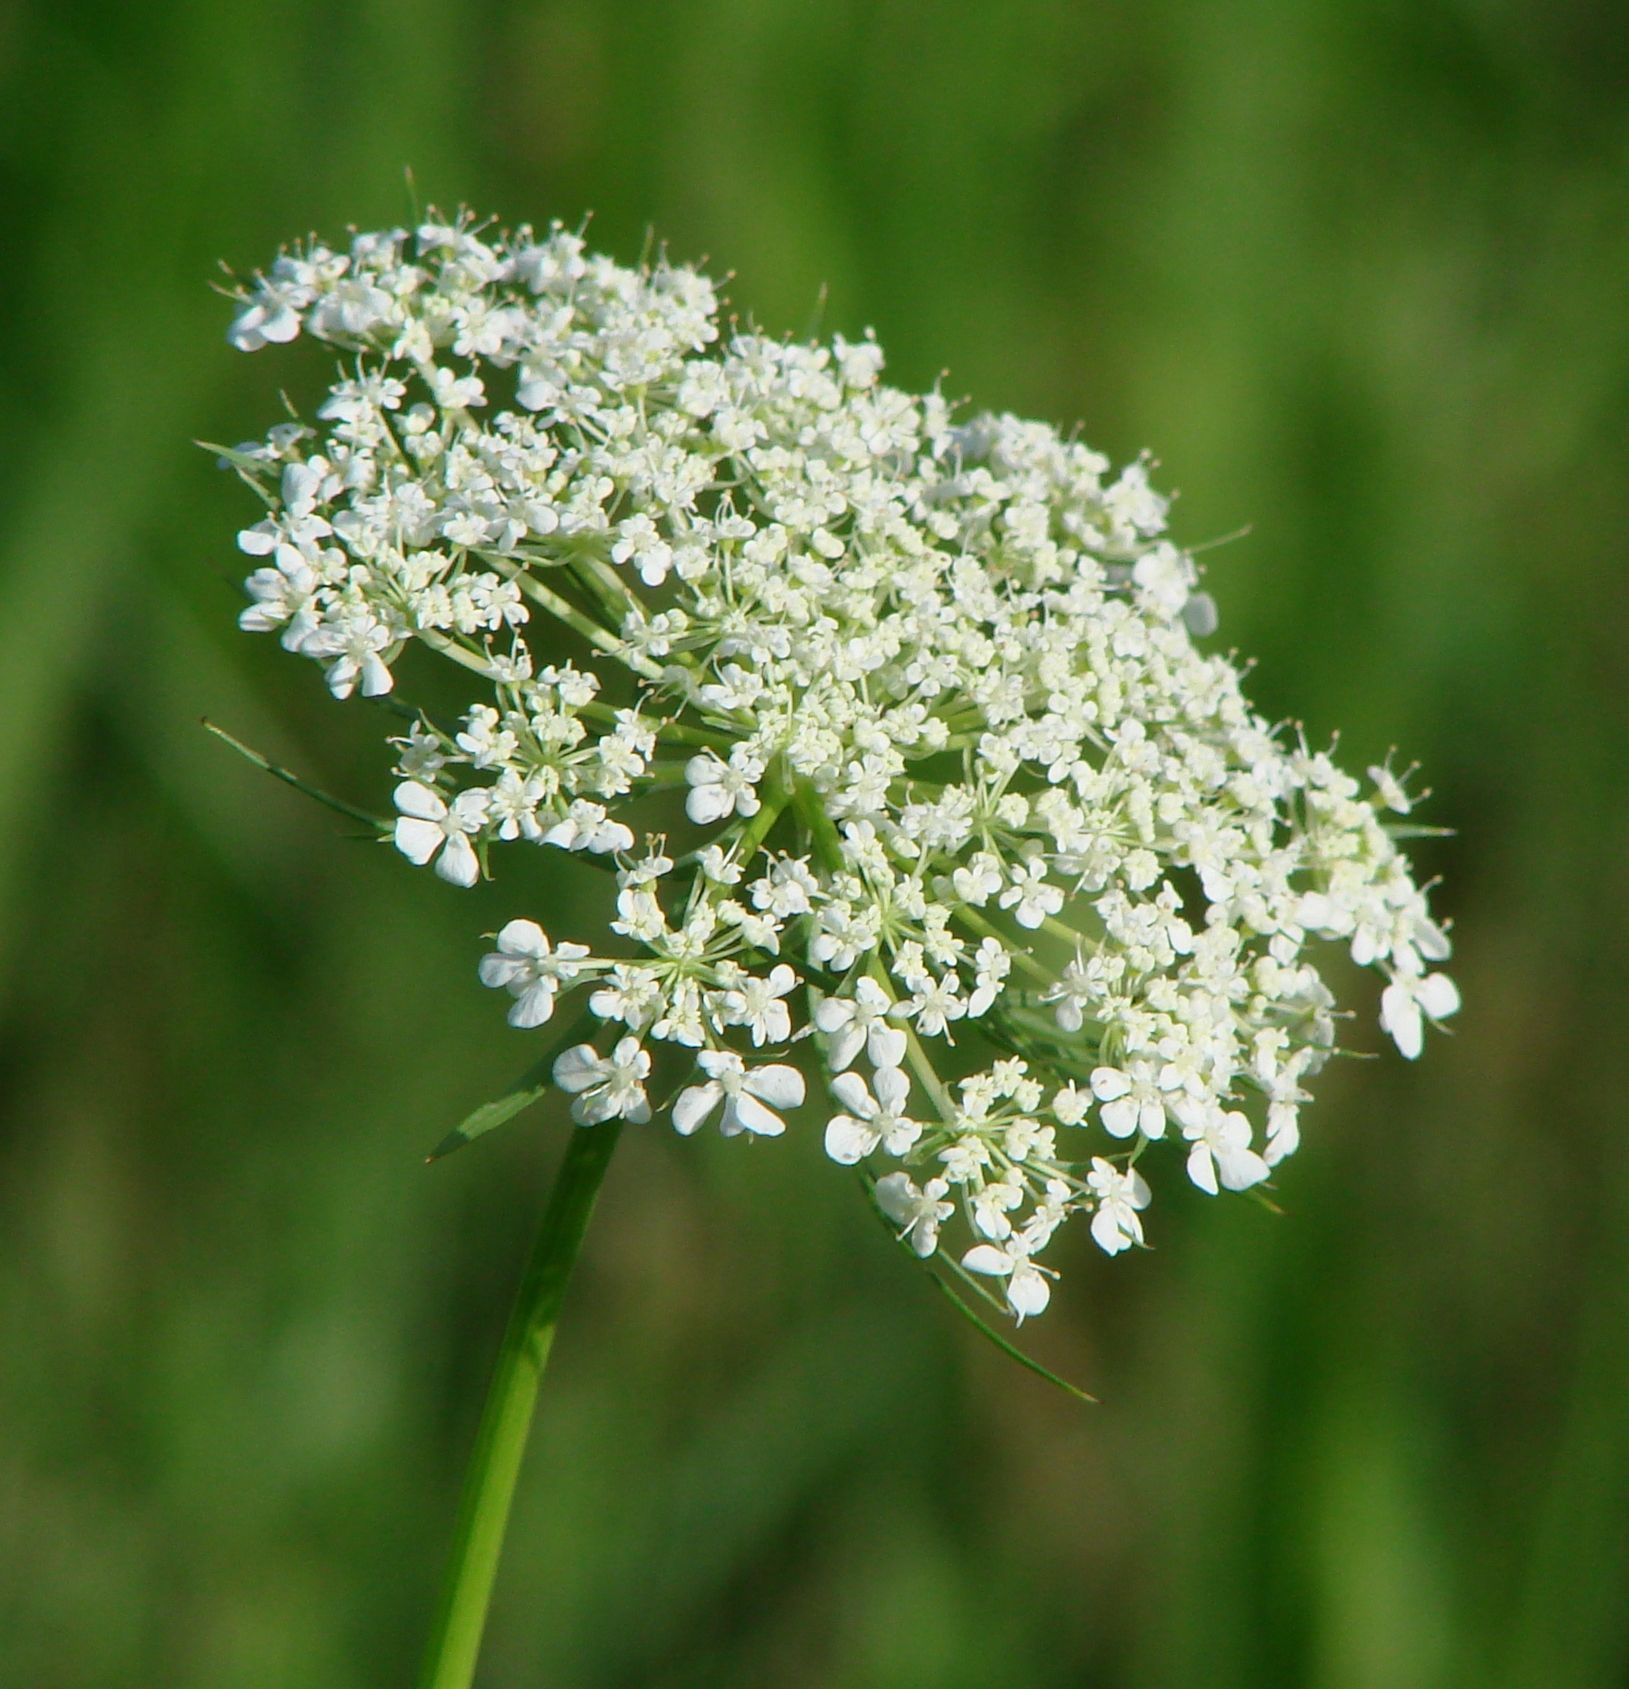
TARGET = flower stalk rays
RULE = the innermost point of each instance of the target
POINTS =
(965, 802)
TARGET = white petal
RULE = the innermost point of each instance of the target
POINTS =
(845, 1046)
(578, 1068)
(716, 1063)
(534, 1005)
(1432, 942)
(1106, 1233)
(707, 804)
(832, 1013)
(892, 1088)
(750, 1115)
(260, 541)
(418, 800)
(496, 972)
(1438, 996)
(1120, 1117)
(458, 864)
(849, 1140)
(523, 938)
(1241, 1168)
(885, 1044)
(777, 1084)
(280, 325)
(1202, 1168)
(377, 680)
(418, 841)
(850, 1090)
(628, 1053)
(1109, 1083)
(1028, 1291)
(693, 1106)
(1283, 1137)
(898, 1197)
(986, 1258)
(1400, 1016)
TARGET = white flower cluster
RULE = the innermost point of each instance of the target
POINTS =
(965, 797)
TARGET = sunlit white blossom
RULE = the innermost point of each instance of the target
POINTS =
(531, 970)
(430, 829)
(1028, 1288)
(750, 1095)
(1121, 1196)
(875, 1116)
(860, 1022)
(918, 1213)
(1412, 999)
(1221, 1152)
(605, 1087)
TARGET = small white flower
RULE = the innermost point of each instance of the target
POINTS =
(743, 1091)
(1390, 789)
(530, 970)
(1029, 896)
(1134, 1098)
(586, 826)
(718, 789)
(606, 1087)
(717, 864)
(353, 647)
(871, 1120)
(918, 1213)
(860, 1022)
(991, 966)
(1221, 1149)
(934, 1004)
(994, 1202)
(272, 316)
(285, 596)
(1117, 1223)
(756, 1004)
(978, 881)
(1410, 997)
(431, 829)
(1071, 1105)
(1028, 1291)
(631, 995)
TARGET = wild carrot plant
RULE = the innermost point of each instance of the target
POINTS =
(979, 835)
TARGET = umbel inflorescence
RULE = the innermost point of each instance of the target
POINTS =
(964, 798)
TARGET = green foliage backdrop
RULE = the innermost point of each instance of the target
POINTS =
(1355, 272)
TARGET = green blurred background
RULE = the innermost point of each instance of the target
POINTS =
(1356, 272)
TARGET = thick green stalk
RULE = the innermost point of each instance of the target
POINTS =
(500, 1443)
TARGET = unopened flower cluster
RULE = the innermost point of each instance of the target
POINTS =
(965, 802)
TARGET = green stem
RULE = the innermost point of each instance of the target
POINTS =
(489, 1483)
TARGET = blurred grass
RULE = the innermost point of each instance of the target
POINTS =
(1356, 273)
